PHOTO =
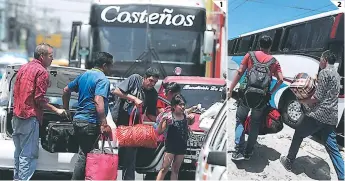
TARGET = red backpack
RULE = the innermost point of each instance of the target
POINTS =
(272, 124)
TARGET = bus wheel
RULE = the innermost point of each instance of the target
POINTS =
(291, 111)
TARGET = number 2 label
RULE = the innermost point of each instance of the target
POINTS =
(338, 4)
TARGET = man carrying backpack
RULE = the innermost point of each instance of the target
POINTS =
(254, 94)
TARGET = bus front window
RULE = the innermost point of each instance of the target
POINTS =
(176, 45)
(125, 44)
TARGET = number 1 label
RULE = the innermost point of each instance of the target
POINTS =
(221, 4)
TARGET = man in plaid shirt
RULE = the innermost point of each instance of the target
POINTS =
(29, 90)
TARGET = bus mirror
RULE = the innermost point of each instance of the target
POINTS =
(85, 31)
(208, 42)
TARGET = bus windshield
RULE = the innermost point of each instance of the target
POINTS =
(128, 44)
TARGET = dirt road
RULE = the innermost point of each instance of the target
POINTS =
(312, 160)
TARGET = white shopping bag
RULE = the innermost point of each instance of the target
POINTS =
(207, 118)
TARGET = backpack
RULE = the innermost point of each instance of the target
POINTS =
(258, 81)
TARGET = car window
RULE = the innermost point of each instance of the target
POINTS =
(206, 95)
(73, 103)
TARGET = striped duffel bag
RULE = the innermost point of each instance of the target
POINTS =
(303, 86)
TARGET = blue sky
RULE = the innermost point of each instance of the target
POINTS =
(249, 15)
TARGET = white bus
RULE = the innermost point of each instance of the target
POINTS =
(297, 45)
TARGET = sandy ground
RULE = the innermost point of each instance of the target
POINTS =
(312, 162)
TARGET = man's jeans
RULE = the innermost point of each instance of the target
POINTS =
(255, 123)
(127, 158)
(308, 127)
(26, 139)
(86, 134)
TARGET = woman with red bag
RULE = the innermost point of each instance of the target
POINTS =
(177, 136)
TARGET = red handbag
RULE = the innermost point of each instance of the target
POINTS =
(138, 135)
(101, 165)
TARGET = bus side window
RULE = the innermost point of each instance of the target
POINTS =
(296, 38)
(319, 33)
(276, 40)
(245, 44)
(255, 43)
(231, 46)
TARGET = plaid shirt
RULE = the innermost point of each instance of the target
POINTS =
(29, 90)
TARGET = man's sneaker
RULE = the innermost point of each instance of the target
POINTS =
(247, 156)
(286, 162)
(237, 155)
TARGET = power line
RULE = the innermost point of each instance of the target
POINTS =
(293, 17)
(232, 2)
(238, 6)
(281, 5)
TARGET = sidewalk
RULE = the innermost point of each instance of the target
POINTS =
(312, 162)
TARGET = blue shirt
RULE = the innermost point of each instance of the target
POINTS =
(88, 85)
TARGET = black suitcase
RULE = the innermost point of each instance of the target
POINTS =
(60, 138)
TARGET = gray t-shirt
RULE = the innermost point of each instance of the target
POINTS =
(133, 85)
(327, 91)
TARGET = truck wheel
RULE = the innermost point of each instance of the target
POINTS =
(291, 111)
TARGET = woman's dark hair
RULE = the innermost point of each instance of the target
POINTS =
(173, 87)
(176, 100)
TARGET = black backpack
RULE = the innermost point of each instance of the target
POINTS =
(258, 82)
